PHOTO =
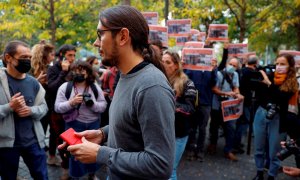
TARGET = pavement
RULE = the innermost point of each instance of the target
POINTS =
(214, 167)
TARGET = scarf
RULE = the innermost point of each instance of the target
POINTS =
(279, 78)
(293, 103)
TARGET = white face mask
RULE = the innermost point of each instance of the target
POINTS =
(281, 69)
(230, 69)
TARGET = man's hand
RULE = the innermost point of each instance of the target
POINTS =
(24, 111)
(76, 100)
(291, 171)
(17, 101)
(65, 65)
(94, 136)
(86, 152)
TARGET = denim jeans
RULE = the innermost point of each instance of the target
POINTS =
(179, 149)
(34, 157)
(228, 127)
(266, 131)
(76, 168)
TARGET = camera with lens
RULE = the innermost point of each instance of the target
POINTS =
(271, 110)
(290, 148)
(87, 98)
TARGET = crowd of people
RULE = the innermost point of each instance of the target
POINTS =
(139, 116)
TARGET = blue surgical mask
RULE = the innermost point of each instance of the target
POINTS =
(230, 69)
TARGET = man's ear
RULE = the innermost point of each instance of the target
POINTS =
(7, 58)
(124, 36)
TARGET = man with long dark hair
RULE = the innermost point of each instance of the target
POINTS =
(140, 135)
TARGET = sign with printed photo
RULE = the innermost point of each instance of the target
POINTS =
(218, 32)
(202, 36)
(159, 33)
(197, 58)
(179, 27)
(194, 44)
(194, 34)
(151, 17)
(296, 55)
(180, 40)
(237, 49)
(232, 109)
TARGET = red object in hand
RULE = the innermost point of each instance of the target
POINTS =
(70, 137)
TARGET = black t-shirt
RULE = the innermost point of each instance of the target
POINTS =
(24, 130)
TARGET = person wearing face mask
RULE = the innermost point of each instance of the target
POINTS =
(93, 61)
(227, 87)
(87, 101)
(270, 120)
(56, 76)
(22, 106)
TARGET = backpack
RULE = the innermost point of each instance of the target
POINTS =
(70, 85)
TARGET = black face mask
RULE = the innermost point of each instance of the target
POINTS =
(79, 78)
(24, 65)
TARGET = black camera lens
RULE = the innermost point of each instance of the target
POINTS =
(87, 98)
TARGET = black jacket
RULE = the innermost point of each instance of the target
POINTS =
(56, 77)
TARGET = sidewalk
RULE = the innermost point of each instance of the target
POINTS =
(214, 167)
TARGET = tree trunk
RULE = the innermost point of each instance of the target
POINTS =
(298, 36)
(166, 10)
(243, 24)
(126, 2)
(52, 22)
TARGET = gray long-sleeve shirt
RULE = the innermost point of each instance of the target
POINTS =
(141, 140)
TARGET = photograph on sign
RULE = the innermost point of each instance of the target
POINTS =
(232, 109)
(194, 44)
(296, 54)
(179, 27)
(159, 33)
(151, 17)
(197, 58)
(217, 32)
(180, 40)
(237, 49)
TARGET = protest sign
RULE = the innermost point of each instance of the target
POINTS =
(237, 49)
(296, 55)
(218, 32)
(231, 109)
(180, 40)
(159, 33)
(197, 58)
(194, 34)
(201, 36)
(179, 27)
(151, 17)
(194, 44)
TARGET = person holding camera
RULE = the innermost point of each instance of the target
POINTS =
(269, 121)
(80, 101)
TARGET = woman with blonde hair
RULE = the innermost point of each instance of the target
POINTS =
(185, 97)
(42, 55)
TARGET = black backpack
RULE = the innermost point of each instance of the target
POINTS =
(70, 85)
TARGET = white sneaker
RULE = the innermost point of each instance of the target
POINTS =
(54, 161)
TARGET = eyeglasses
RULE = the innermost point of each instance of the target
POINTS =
(100, 32)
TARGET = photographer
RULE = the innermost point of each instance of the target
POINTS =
(273, 101)
(250, 78)
(80, 101)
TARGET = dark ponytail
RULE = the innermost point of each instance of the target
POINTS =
(153, 57)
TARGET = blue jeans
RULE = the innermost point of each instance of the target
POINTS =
(33, 156)
(179, 149)
(266, 132)
(76, 168)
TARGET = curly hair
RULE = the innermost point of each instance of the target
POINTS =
(179, 78)
(290, 84)
(79, 65)
(39, 61)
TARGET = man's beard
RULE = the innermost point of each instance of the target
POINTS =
(113, 60)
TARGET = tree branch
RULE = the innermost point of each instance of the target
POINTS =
(235, 14)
